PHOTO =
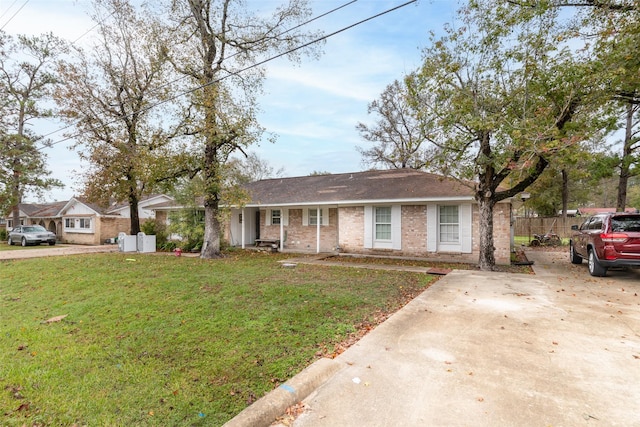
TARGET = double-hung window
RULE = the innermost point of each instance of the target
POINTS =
(85, 223)
(449, 223)
(383, 227)
(69, 223)
(276, 216)
(383, 223)
(313, 216)
(449, 228)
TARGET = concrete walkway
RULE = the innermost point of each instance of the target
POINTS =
(558, 348)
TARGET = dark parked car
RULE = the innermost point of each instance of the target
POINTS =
(31, 235)
(607, 240)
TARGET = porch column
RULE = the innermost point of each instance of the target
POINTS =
(318, 222)
(281, 229)
(244, 219)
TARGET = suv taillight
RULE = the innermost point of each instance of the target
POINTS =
(613, 237)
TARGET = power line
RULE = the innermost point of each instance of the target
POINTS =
(185, 77)
(8, 9)
(235, 73)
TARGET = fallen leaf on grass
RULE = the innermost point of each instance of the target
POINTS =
(23, 407)
(55, 318)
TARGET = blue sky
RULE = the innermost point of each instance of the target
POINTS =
(312, 107)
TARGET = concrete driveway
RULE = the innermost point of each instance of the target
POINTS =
(58, 250)
(559, 348)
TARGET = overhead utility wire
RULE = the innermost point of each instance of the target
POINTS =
(8, 9)
(14, 15)
(319, 39)
(101, 21)
(184, 77)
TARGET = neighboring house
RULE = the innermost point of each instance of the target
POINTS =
(393, 212)
(78, 221)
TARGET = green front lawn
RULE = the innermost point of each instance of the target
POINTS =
(161, 340)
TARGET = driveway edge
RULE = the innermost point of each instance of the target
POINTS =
(264, 411)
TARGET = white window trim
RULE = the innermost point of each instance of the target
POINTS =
(76, 225)
(284, 216)
(370, 241)
(465, 229)
(324, 216)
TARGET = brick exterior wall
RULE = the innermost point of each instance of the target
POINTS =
(111, 227)
(300, 237)
(346, 230)
(104, 228)
(501, 233)
(414, 235)
(351, 228)
(414, 229)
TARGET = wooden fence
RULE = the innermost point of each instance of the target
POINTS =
(538, 225)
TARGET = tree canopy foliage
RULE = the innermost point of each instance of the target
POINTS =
(27, 78)
(114, 95)
(215, 44)
(396, 135)
(499, 99)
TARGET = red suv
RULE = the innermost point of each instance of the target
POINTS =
(607, 240)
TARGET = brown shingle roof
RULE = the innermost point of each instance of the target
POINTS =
(42, 210)
(386, 185)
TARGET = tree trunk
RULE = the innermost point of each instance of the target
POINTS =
(211, 171)
(627, 159)
(133, 212)
(487, 260)
(211, 240)
(15, 194)
(565, 192)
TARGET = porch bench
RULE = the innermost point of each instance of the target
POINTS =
(274, 244)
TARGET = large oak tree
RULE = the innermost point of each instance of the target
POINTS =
(215, 44)
(499, 98)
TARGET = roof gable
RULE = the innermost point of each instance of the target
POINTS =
(78, 206)
(144, 202)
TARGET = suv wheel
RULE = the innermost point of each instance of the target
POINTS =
(24, 241)
(9, 241)
(573, 256)
(595, 269)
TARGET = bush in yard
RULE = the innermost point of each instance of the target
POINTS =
(158, 229)
(189, 225)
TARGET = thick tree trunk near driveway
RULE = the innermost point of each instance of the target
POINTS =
(487, 260)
